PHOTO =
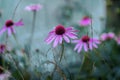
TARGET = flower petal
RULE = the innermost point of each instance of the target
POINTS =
(56, 41)
(85, 47)
(3, 30)
(60, 41)
(19, 23)
(80, 48)
(66, 38)
(71, 35)
(50, 38)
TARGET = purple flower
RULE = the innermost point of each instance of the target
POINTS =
(61, 33)
(34, 7)
(9, 26)
(86, 21)
(117, 39)
(107, 36)
(2, 48)
(86, 42)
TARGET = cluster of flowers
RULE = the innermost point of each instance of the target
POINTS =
(61, 34)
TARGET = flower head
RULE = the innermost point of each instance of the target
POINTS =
(34, 7)
(85, 21)
(61, 33)
(117, 39)
(2, 48)
(107, 36)
(86, 42)
(9, 26)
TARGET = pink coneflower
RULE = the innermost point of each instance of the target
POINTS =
(86, 21)
(2, 48)
(86, 42)
(107, 36)
(9, 26)
(34, 7)
(59, 33)
(117, 39)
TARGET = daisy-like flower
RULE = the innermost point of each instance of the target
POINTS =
(107, 36)
(9, 26)
(87, 43)
(4, 75)
(61, 33)
(117, 39)
(86, 21)
(34, 7)
(2, 48)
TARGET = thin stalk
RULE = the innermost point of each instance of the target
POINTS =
(16, 9)
(33, 29)
(20, 73)
(62, 52)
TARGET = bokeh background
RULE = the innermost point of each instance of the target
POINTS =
(105, 17)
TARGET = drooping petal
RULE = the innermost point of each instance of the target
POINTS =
(71, 35)
(19, 23)
(75, 41)
(3, 30)
(90, 45)
(66, 38)
(56, 41)
(94, 45)
(77, 46)
(9, 31)
(50, 39)
(85, 47)
(80, 48)
(60, 41)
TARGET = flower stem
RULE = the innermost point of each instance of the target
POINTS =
(33, 29)
(16, 9)
(62, 52)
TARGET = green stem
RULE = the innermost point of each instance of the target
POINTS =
(62, 52)
(33, 29)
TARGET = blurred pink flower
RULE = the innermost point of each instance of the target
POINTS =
(2, 48)
(9, 26)
(107, 36)
(86, 21)
(59, 33)
(87, 43)
(117, 40)
(5, 76)
(34, 7)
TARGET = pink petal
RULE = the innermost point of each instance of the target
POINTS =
(85, 21)
(103, 36)
(71, 35)
(66, 38)
(3, 30)
(60, 41)
(50, 38)
(94, 45)
(85, 47)
(9, 31)
(75, 41)
(80, 48)
(56, 41)
(19, 23)
(34, 7)
(77, 46)
(111, 34)
(90, 45)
